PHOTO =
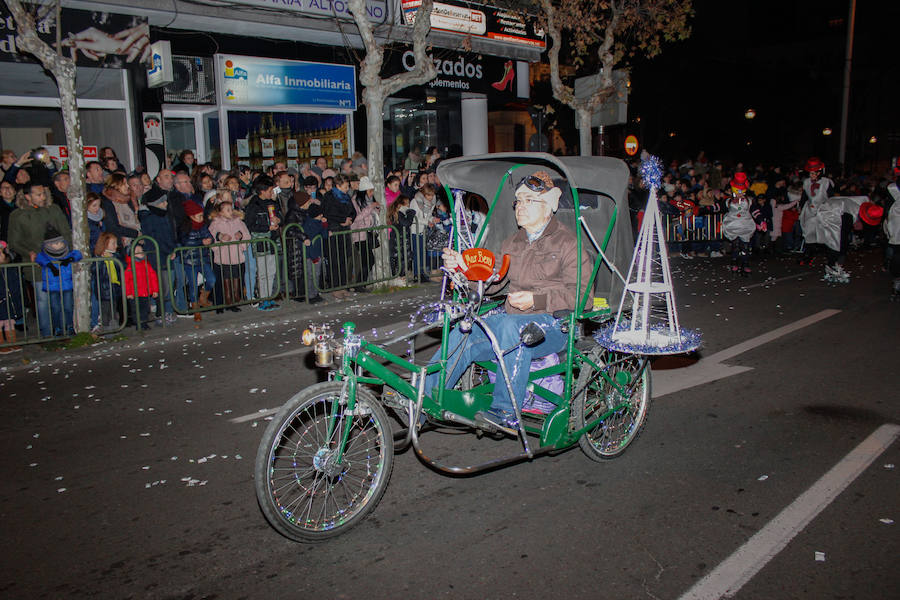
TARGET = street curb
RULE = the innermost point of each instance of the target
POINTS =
(158, 337)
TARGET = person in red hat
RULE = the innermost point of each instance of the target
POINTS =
(824, 222)
(892, 229)
(740, 222)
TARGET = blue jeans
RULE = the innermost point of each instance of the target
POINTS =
(190, 272)
(249, 274)
(61, 309)
(506, 328)
(42, 304)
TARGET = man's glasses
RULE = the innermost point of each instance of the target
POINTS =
(526, 202)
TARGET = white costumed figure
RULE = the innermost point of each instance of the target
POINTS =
(892, 230)
(742, 219)
(823, 222)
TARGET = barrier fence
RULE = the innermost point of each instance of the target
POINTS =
(150, 288)
(680, 228)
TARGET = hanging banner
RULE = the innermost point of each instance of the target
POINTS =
(252, 81)
(376, 10)
(463, 71)
(97, 39)
(479, 20)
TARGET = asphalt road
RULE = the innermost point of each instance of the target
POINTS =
(125, 475)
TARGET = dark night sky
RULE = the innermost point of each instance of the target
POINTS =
(785, 59)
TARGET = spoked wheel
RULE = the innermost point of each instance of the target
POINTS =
(304, 491)
(611, 436)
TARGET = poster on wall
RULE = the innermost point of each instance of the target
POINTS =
(337, 148)
(291, 147)
(315, 147)
(244, 163)
(268, 146)
(243, 148)
(267, 163)
(97, 39)
(293, 164)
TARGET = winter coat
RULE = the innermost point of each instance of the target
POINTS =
(6, 211)
(61, 279)
(118, 216)
(10, 294)
(194, 239)
(95, 228)
(160, 226)
(366, 217)
(104, 274)
(256, 217)
(337, 211)
(27, 227)
(230, 254)
(312, 228)
(547, 267)
(147, 281)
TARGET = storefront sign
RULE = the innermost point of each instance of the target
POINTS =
(160, 72)
(98, 39)
(250, 81)
(376, 10)
(480, 20)
(60, 154)
(464, 71)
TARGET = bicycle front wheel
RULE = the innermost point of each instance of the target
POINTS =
(304, 491)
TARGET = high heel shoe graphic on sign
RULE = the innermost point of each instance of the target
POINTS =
(507, 78)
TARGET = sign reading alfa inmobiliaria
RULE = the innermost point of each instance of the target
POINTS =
(479, 20)
(97, 39)
(254, 81)
(376, 10)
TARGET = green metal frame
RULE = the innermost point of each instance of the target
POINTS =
(371, 364)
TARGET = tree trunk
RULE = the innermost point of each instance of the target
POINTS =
(585, 139)
(63, 71)
(373, 97)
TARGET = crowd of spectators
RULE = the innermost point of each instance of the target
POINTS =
(212, 237)
(694, 193)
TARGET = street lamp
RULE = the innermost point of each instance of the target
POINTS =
(873, 140)
(827, 131)
(750, 114)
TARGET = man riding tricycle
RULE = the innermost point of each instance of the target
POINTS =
(521, 299)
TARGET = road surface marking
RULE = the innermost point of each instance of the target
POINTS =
(260, 414)
(726, 579)
(710, 368)
(779, 280)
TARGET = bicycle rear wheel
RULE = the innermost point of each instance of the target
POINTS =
(612, 436)
(303, 491)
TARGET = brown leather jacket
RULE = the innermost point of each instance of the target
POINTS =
(546, 267)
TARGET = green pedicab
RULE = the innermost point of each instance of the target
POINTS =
(326, 457)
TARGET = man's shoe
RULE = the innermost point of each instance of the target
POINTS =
(498, 417)
(316, 299)
(360, 290)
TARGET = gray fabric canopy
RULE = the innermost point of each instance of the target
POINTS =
(601, 183)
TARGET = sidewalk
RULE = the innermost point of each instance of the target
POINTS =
(289, 313)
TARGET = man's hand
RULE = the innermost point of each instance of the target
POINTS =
(452, 259)
(24, 158)
(521, 300)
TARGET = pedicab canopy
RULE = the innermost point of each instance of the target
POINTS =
(599, 183)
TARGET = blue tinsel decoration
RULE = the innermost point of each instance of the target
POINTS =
(651, 172)
(691, 340)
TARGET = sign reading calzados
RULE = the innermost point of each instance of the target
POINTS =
(464, 71)
(479, 20)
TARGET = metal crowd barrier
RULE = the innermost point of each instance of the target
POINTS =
(705, 228)
(37, 315)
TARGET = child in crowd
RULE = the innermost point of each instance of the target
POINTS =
(95, 217)
(400, 218)
(10, 302)
(56, 261)
(227, 225)
(105, 283)
(141, 283)
(195, 234)
(438, 232)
